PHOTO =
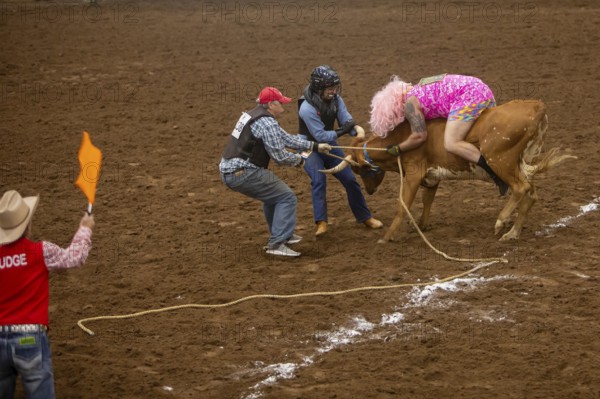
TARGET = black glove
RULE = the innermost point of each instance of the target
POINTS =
(345, 128)
(393, 150)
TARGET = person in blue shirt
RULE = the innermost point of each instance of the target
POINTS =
(319, 108)
(256, 139)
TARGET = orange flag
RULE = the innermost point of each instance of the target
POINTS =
(90, 160)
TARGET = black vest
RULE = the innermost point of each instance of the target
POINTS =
(327, 120)
(243, 144)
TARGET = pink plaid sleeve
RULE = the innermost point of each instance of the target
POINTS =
(73, 256)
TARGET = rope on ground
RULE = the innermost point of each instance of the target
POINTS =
(489, 261)
(81, 322)
(412, 219)
(416, 225)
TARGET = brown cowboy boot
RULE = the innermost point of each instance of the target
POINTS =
(373, 223)
(321, 228)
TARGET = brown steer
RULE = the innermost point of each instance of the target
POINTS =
(510, 137)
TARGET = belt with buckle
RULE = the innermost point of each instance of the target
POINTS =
(23, 328)
(237, 172)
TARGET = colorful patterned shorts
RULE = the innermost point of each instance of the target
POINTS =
(470, 111)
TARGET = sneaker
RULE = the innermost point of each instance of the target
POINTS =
(321, 228)
(282, 250)
(294, 239)
(373, 223)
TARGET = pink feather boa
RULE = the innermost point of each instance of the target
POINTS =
(387, 107)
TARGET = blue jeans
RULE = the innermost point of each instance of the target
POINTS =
(318, 182)
(279, 201)
(27, 355)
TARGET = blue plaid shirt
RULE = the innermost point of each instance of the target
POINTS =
(276, 140)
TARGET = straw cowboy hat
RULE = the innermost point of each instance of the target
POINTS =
(15, 214)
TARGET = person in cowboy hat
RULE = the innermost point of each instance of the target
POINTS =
(256, 138)
(24, 266)
(318, 110)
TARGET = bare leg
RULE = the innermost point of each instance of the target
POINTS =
(454, 137)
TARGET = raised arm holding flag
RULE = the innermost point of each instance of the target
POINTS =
(24, 282)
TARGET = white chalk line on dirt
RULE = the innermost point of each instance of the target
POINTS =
(566, 221)
(362, 330)
(359, 330)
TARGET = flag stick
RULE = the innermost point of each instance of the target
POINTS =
(89, 210)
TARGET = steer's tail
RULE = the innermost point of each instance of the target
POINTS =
(550, 160)
(529, 166)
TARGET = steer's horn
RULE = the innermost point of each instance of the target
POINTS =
(339, 167)
(360, 132)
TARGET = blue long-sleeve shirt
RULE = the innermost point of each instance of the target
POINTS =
(315, 125)
(276, 140)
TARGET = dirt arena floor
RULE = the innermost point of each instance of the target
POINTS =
(159, 85)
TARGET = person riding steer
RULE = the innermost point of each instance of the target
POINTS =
(461, 99)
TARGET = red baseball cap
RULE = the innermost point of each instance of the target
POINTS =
(269, 94)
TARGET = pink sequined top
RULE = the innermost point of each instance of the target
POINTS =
(446, 95)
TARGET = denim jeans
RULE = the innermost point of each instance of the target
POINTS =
(27, 355)
(318, 182)
(279, 201)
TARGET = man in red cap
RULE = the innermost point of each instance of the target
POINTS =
(24, 266)
(256, 139)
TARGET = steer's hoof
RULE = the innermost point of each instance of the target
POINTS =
(382, 241)
(425, 227)
(422, 227)
(511, 235)
(499, 227)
